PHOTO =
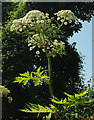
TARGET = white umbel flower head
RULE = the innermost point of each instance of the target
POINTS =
(37, 52)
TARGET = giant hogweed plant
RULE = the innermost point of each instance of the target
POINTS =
(44, 33)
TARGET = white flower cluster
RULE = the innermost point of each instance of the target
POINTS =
(17, 25)
(39, 40)
(57, 47)
(30, 19)
(66, 16)
(36, 16)
(42, 31)
(60, 44)
(52, 47)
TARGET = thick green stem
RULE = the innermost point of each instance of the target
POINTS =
(50, 84)
(50, 68)
(50, 76)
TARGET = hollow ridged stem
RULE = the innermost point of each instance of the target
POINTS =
(50, 76)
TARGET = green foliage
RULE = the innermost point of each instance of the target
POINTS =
(83, 109)
(25, 77)
(38, 77)
(32, 108)
(47, 117)
(72, 101)
(78, 99)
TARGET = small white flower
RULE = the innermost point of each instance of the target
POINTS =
(31, 48)
(51, 45)
(38, 46)
(52, 49)
(42, 21)
(48, 47)
(31, 25)
(61, 16)
(24, 27)
(62, 20)
(37, 52)
(62, 42)
(37, 21)
(70, 21)
(65, 23)
(55, 43)
(67, 18)
(76, 22)
(47, 14)
(58, 18)
(49, 20)
(62, 46)
(20, 29)
(32, 40)
(29, 44)
(43, 50)
(55, 40)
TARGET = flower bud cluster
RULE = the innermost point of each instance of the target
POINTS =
(66, 16)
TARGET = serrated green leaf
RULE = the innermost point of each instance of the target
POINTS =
(27, 111)
(42, 72)
(53, 108)
(36, 83)
(57, 102)
(55, 98)
(70, 96)
(38, 71)
(31, 108)
(26, 74)
(23, 79)
(64, 101)
(76, 95)
(81, 94)
(48, 117)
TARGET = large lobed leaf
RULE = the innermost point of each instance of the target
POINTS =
(33, 108)
(37, 77)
